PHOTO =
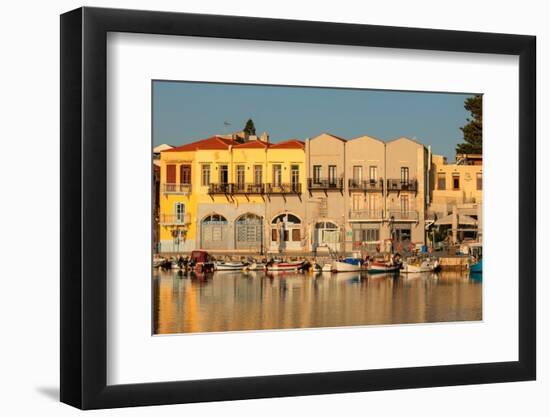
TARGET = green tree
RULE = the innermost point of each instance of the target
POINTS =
(249, 127)
(472, 131)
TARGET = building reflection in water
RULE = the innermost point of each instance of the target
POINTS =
(230, 301)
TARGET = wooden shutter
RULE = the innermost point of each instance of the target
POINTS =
(170, 174)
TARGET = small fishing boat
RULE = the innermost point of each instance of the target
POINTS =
(230, 266)
(417, 265)
(348, 265)
(327, 268)
(477, 268)
(201, 261)
(255, 266)
(276, 266)
(382, 268)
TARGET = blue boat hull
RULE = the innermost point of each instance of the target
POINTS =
(477, 268)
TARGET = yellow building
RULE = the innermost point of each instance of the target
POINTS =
(457, 195)
(224, 194)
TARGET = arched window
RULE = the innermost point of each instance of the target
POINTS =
(214, 218)
(286, 217)
(248, 218)
(325, 225)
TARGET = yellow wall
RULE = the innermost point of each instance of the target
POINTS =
(199, 193)
(467, 193)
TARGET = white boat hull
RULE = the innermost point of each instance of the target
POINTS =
(425, 266)
(230, 267)
(345, 267)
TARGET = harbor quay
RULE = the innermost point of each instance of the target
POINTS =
(241, 195)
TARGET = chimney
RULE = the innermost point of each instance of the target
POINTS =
(264, 137)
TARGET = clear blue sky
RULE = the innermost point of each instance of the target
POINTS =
(187, 111)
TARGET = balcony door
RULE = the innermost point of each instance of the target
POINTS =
(332, 175)
(277, 175)
(295, 178)
(224, 174)
(240, 177)
(404, 175)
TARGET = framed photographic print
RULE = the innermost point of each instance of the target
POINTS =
(256, 208)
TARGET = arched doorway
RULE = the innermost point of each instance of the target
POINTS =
(327, 234)
(214, 232)
(248, 232)
(286, 233)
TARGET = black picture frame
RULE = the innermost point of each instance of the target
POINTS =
(84, 207)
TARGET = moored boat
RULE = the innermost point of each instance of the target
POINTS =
(201, 261)
(382, 267)
(276, 266)
(229, 266)
(255, 266)
(417, 265)
(477, 268)
(348, 265)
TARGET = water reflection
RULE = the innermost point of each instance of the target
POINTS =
(226, 301)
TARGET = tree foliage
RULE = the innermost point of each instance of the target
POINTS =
(472, 131)
(249, 127)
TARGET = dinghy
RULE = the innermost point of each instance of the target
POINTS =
(230, 266)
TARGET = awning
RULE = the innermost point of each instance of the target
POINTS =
(462, 219)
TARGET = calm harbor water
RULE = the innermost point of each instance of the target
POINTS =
(230, 301)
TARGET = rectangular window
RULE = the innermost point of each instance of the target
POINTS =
(224, 174)
(277, 175)
(179, 213)
(357, 174)
(404, 175)
(240, 177)
(373, 173)
(441, 181)
(317, 172)
(205, 175)
(372, 235)
(185, 174)
(295, 177)
(285, 235)
(404, 204)
(170, 174)
(357, 202)
(332, 175)
(295, 235)
(372, 203)
(257, 175)
(479, 181)
(456, 181)
(274, 235)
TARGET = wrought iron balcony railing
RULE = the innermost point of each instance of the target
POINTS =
(365, 185)
(403, 215)
(366, 214)
(248, 188)
(293, 188)
(221, 188)
(173, 188)
(325, 183)
(402, 185)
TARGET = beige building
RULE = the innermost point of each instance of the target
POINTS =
(457, 196)
(325, 203)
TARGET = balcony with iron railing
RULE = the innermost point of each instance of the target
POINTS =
(292, 188)
(220, 188)
(402, 185)
(403, 215)
(366, 215)
(240, 188)
(366, 185)
(174, 188)
(325, 184)
(174, 219)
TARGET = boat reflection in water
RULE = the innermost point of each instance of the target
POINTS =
(254, 300)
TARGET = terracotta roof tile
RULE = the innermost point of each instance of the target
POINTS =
(289, 144)
(214, 142)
